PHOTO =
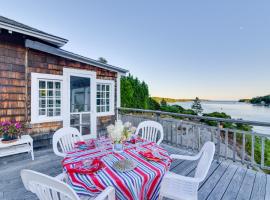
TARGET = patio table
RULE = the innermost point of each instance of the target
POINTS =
(143, 182)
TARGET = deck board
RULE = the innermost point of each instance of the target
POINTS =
(212, 181)
(225, 180)
(235, 184)
(222, 185)
(258, 191)
(247, 185)
(267, 191)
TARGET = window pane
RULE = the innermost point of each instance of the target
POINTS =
(98, 102)
(42, 103)
(49, 112)
(107, 108)
(49, 85)
(98, 109)
(57, 103)
(50, 93)
(107, 88)
(42, 112)
(50, 103)
(42, 84)
(107, 101)
(103, 87)
(42, 93)
(57, 112)
(98, 87)
(75, 119)
(98, 94)
(107, 95)
(57, 85)
(57, 93)
(103, 109)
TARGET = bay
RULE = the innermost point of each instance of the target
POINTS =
(237, 110)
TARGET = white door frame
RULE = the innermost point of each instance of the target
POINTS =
(67, 72)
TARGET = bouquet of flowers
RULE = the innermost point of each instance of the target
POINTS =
(120, 132)
(10, 129)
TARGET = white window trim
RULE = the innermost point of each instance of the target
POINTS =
(112, 97)
(35, 118)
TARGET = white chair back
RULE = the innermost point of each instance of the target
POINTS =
(207, 154)
(49, 188)
(66, 138)
(150, 130)
(46, 187)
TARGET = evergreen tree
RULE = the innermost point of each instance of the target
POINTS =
(196, 106)
(163, 103)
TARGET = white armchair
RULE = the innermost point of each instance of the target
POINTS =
(150, 130)
(66, 138)
(46, 187)
(180, 187)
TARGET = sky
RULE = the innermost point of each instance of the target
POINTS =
(181, 49)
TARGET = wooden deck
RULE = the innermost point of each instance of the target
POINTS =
(225, 180)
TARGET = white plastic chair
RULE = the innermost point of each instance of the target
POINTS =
(180, 187)
(149, 131)
(49, 188)
(66, 138)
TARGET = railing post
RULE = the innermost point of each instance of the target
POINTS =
(262, 152)
(218, 142)
(234, 146)
(158, 117)
(243, 148)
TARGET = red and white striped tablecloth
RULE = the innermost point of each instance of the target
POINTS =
(141, 183)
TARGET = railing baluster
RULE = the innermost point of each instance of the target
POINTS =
(218, 142)
(234, 146)
(262, 153)
(171, 133)
(199, 138)
(252, 149)
(226, 144)
(243, 147)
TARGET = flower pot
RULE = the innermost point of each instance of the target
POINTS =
(9, 138)
(118, 147)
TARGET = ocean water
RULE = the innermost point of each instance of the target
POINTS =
(237, 110)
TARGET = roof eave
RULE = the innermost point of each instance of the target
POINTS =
(72, 56)
(58, 41)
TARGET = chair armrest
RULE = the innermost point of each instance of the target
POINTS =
(108, 193)
(61, 177)
(184, 157)
(181, 178)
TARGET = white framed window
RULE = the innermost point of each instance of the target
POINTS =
(105, 97)
(46, 98)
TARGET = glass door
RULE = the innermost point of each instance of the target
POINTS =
(80, 104)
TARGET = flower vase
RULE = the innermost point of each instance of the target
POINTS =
(118, 147)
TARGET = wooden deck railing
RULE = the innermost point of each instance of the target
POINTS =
(246, 147)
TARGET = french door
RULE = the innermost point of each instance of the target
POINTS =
(79, 103)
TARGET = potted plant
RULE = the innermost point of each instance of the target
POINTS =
(120, 132)
(10, 130)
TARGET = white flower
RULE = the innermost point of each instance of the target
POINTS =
(133, 129)
(127, 124)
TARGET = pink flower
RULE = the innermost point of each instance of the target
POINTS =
(18, 125)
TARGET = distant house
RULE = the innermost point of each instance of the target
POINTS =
(48, 87)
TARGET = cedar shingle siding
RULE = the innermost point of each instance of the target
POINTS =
(13, 80)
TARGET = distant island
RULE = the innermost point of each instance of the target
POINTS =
(260, 100)
(172, 100)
